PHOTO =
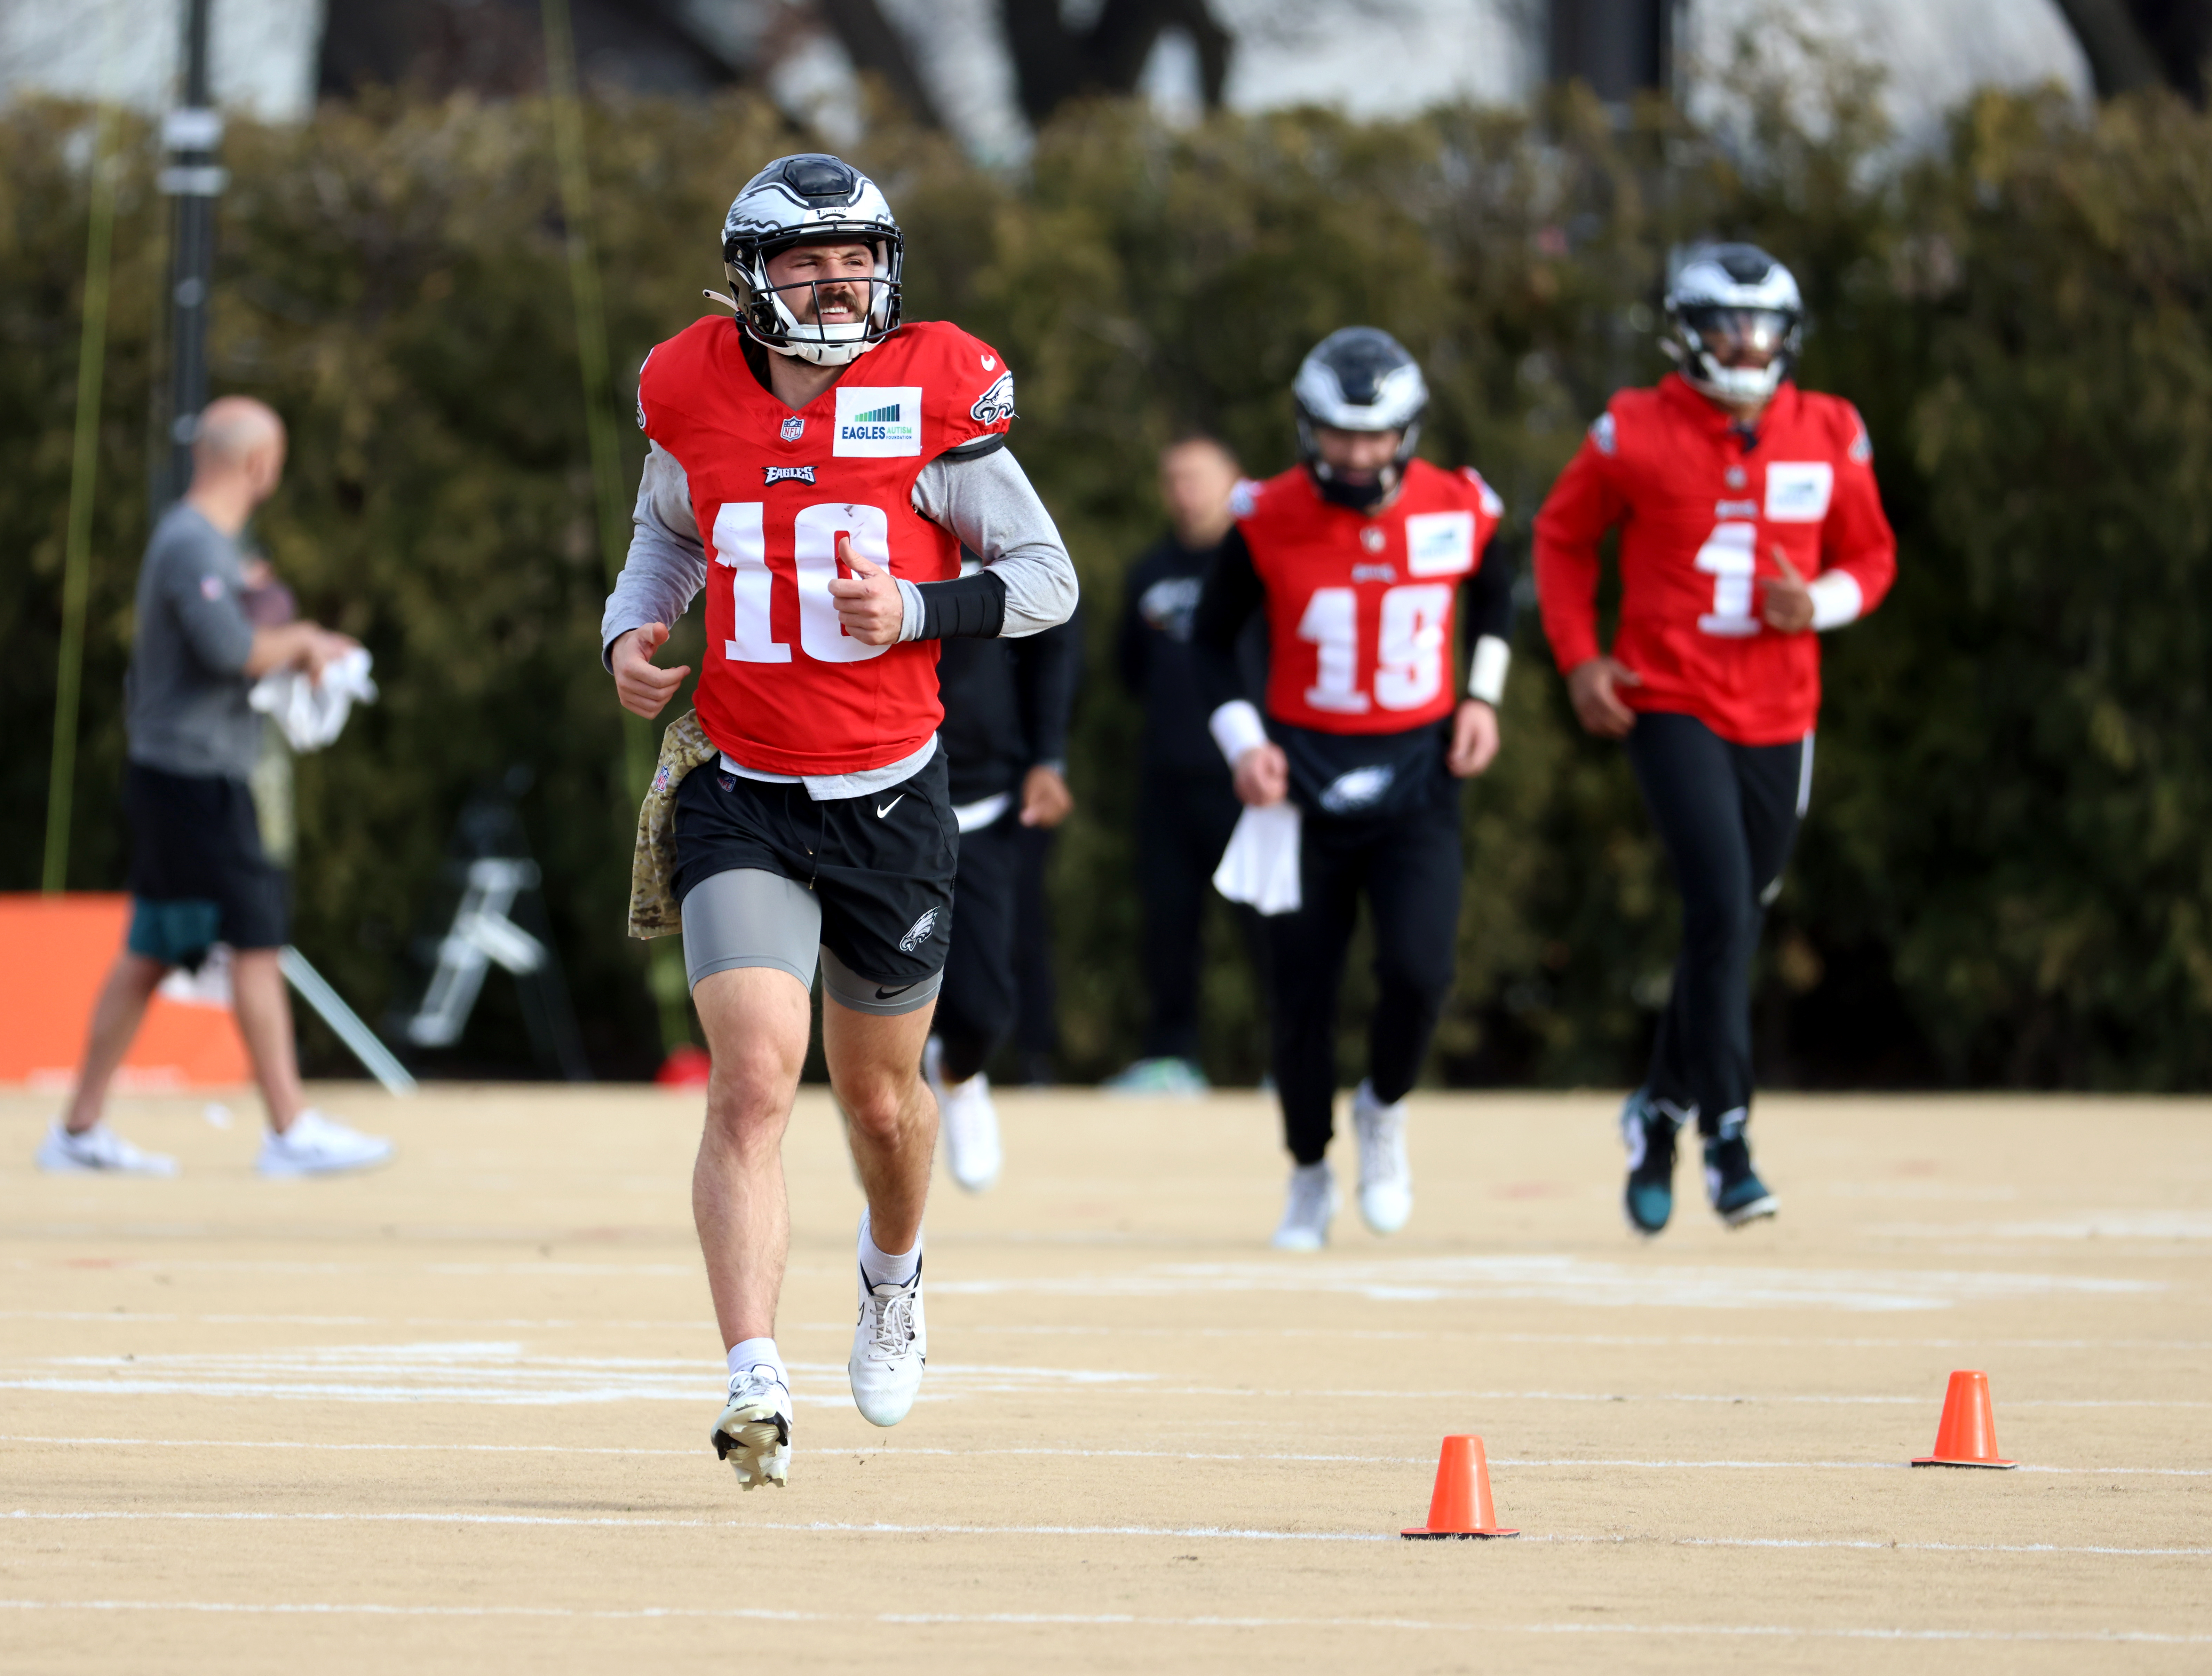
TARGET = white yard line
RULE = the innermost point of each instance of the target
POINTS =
(1108, 1620)
(1181, 1532)
(1070, 1451)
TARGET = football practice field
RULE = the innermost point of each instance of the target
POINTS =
(453, 1416)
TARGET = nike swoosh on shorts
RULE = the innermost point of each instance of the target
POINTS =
(887, 808)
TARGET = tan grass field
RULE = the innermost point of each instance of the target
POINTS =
(453, 1416)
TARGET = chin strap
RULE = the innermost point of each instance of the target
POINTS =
(730, 303)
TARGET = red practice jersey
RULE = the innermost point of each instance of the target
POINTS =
(784, 689)
(1360, 609)
(1702, 515)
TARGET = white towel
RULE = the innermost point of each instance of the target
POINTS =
(313, 714)
(1260, 865)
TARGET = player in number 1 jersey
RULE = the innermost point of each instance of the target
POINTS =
(816, 467)
(1357, 558)
(1749, 523)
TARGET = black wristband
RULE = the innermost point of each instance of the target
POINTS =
(969, 607)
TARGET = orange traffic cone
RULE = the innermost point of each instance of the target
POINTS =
(1967, 1436)
(1461, 1508)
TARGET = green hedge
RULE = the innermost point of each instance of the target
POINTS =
(2005, 880)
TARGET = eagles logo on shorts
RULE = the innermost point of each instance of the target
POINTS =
(918, 932)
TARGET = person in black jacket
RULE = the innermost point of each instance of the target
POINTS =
(1186, 804)
(1005, 740)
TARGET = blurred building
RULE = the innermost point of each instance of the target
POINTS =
(951, 60)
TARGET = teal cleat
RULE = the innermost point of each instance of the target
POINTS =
(1737, 1194)
(1648, 1132)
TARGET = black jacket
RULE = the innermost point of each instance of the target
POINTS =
(1007, 704)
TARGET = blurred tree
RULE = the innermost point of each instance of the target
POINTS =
(2136, 44)
(1058, 57)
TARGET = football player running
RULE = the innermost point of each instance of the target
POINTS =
(816, 466)
(1358, 556)
(1750, 523)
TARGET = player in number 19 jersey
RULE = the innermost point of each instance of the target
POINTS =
(1357, 558)
(1749, 522)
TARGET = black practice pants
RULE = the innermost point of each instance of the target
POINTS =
(1183, 823)
(1408, 867)
(1728, 814)
(976, 1007)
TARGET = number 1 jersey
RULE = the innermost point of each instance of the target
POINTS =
(1704, 508)
(783, 688)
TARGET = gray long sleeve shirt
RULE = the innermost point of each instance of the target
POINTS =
(986, 502)
(184, 697)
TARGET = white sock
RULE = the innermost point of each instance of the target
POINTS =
(755, 1352)
(885, 1268)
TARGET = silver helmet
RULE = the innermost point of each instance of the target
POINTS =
(1358, 379)
(811, 198)
(1726, 300)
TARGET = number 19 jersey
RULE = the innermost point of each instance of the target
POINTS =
(1360, 609)
(783, 688)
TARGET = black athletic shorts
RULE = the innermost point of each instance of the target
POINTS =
(881, 866)
(197, 869)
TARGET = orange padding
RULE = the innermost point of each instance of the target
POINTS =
(55, 952)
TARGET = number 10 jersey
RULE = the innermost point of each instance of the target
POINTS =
(783, 689)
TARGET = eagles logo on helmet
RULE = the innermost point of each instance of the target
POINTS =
(1358, 379)
(811, 199)
(1729, 302)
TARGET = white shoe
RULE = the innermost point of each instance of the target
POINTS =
(1306, 1216)
(1386, 1180)
(891, 1345)
(98, 1151)
(315, 1145)
(754, 1434)
(967, 1120)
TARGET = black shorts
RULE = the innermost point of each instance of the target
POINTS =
(195, 839)
(880, 866)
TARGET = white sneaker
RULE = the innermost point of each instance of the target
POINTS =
(967, 1120)
(891, 1345)
(315, 1145)
(98, 1151)
(1313, 1201)
(754, 1434)
(1386, 1180)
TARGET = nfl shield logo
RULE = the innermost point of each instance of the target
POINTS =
(793, 428)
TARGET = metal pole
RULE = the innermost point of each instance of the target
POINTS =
(84, 463)
(665, 969)
(315, 990)
(191, 135)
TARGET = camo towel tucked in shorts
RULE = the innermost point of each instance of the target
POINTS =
(652, 908)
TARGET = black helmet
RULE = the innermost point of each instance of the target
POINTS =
(1729, 294)
(811, 199)
(1358, 379)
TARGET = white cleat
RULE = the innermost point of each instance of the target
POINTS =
(754, 1434)
(891, 1345)
(1306, 1215)
(1386, 1180)
(967, 1120)
(98, 1151)
(315, 1145)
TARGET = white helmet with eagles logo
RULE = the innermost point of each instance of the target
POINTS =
(811, 198)
(1733, 302)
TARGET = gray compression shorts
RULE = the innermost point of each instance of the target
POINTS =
(751, 917)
